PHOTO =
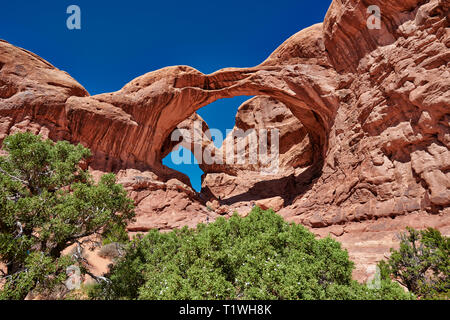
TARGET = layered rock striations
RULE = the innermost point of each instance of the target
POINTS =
(363, 116)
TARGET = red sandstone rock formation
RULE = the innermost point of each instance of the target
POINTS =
(33, 94)
(242, 185)
(364, 116)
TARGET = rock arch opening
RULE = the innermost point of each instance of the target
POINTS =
(218, 117)
(188, 166)
(261, 123)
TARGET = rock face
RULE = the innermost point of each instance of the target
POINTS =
(394, 110)
(238, 184)
(363, 116)
(33, 94)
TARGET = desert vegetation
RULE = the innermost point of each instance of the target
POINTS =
(49, 202)
(257, 257)
(421, 264)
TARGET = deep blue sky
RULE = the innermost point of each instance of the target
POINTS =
(120, 40)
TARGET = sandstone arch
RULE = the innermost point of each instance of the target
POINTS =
(150, 107)
(260, 112)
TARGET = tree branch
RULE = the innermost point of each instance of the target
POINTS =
(13, 177)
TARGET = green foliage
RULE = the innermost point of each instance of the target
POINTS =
(40, 273)
(257, 257)
(47, 203)
(387, 290)
(421, 264)
(116, 233)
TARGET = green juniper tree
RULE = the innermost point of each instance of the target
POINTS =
(48, 203)
(421, 264)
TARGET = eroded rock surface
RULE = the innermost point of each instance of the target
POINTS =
(33, 94)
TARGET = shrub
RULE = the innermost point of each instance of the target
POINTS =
(421, 264)
(111, 250)
(257, 257)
